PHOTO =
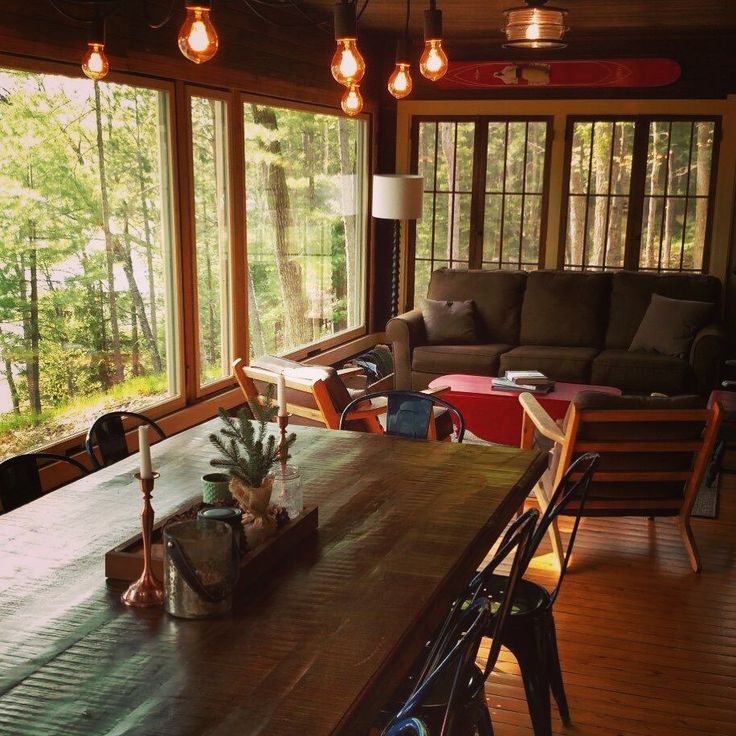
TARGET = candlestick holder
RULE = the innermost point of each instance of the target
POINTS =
(283, 420)
(147, 590)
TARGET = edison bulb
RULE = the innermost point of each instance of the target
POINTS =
(433, 61)
(94, 62)
(399, 83)
(352, 100)
(197, 37)
(532, 30)
(348, 64)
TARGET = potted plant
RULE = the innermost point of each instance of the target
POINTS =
(248, 451)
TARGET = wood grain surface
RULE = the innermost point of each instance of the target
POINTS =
(316, 651)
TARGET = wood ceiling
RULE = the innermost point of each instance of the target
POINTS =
(471, 25)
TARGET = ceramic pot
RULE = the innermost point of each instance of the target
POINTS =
(216, 487)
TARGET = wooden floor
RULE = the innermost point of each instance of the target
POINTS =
(647, 646)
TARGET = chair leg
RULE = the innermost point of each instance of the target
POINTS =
(554, 531)
(555, 670)
(688, 539)
(484, 725)
(530, 650)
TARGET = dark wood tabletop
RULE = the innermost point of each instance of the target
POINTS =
(316, 650)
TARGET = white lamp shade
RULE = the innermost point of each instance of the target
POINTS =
(397, 196)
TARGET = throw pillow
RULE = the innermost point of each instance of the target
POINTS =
(449, 323)
(669, 326)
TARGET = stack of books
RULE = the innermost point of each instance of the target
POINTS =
(524, 381)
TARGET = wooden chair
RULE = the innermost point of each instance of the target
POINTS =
(654, 454)
(107, 433)
(315, 394)
(20, 480)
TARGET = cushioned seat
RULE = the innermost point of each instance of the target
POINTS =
(479, 360)
(642, 373)
(560, 363)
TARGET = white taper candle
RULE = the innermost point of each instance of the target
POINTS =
(144, 447)
(281, 394)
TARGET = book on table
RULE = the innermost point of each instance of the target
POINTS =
(505, 384)
(528, 378)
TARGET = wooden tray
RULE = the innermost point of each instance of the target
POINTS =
(125, 562)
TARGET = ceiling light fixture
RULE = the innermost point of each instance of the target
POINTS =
(94, 62)
(198, 39)
(433, 61)
(534, 26)
(348, 65)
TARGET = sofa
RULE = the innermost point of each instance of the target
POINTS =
(573, 326)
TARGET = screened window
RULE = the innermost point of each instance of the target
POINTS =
(484, 182)
(211, 215)
(86, 307)
(304, 205)
(639, 194)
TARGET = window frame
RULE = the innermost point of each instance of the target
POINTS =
(331, 341)
(478, 187)
(637, 194)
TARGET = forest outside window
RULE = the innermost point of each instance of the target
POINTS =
(640, 193)
(87, 305)
(212, 236)
(485, 184)
(305, 173)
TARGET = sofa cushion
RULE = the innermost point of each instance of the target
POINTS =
(642, 373)
(449, 323)
(479, 360)
(632, 292)
(669, 326)
(497, 296)
(559, 363)
(565, 308)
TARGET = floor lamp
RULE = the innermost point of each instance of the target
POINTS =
(397, 197)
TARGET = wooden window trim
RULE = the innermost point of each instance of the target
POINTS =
(632, 245)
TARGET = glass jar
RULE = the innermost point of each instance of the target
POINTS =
(287, 490)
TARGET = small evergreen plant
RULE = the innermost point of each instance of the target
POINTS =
(246, 452)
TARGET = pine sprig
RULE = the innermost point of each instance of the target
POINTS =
(248, 451)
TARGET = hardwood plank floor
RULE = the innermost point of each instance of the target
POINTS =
(647, 646)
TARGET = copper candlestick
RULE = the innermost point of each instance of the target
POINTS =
(283, 421)
(147, 590)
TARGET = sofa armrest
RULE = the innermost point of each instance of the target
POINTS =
(706, 356)
(405, 332)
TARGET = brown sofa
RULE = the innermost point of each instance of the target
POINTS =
(573, 326)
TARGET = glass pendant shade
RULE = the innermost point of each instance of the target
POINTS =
(348, 65)
(532, 27)
(94, 61)
(197, 37)
(352, 101)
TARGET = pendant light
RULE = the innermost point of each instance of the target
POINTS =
(198, 39)
(535, 26)
(433, 61)
(352, 101)
(400, 82)
(348, 65)
(94, 62)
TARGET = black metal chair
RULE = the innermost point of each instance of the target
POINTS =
(411, 413)
(108, 433)
(457, 704)
(20, 479)
(530, 631)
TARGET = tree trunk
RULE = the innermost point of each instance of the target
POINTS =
(109, 244)
(648, 259)
(453, 205)
(702, 185)
(293, 297)
(615, 234)
(148, 236)
(10, 380)
(577, 205)
(257, 344)
(669, 217)
(346, 170)
(135, 350)
(601, 158)
(33, 372)
(137, 299)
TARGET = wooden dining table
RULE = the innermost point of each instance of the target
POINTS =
(316, 647)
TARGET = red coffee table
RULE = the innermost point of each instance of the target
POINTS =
(495, 414)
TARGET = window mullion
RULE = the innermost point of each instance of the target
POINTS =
(632, 246)
(478, 196)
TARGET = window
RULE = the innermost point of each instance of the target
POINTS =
(305, 230)
(639, 193)
(86, 278)
(484, 182)
(211, 216)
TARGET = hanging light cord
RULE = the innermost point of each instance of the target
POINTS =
(94, 5)
(408, 13)
(160, 24)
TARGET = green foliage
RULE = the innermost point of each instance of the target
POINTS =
(248, 451)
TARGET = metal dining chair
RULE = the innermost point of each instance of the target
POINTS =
(108, 434)
(20, 479)
(457, 704)
(413, 414)
(530, 631)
